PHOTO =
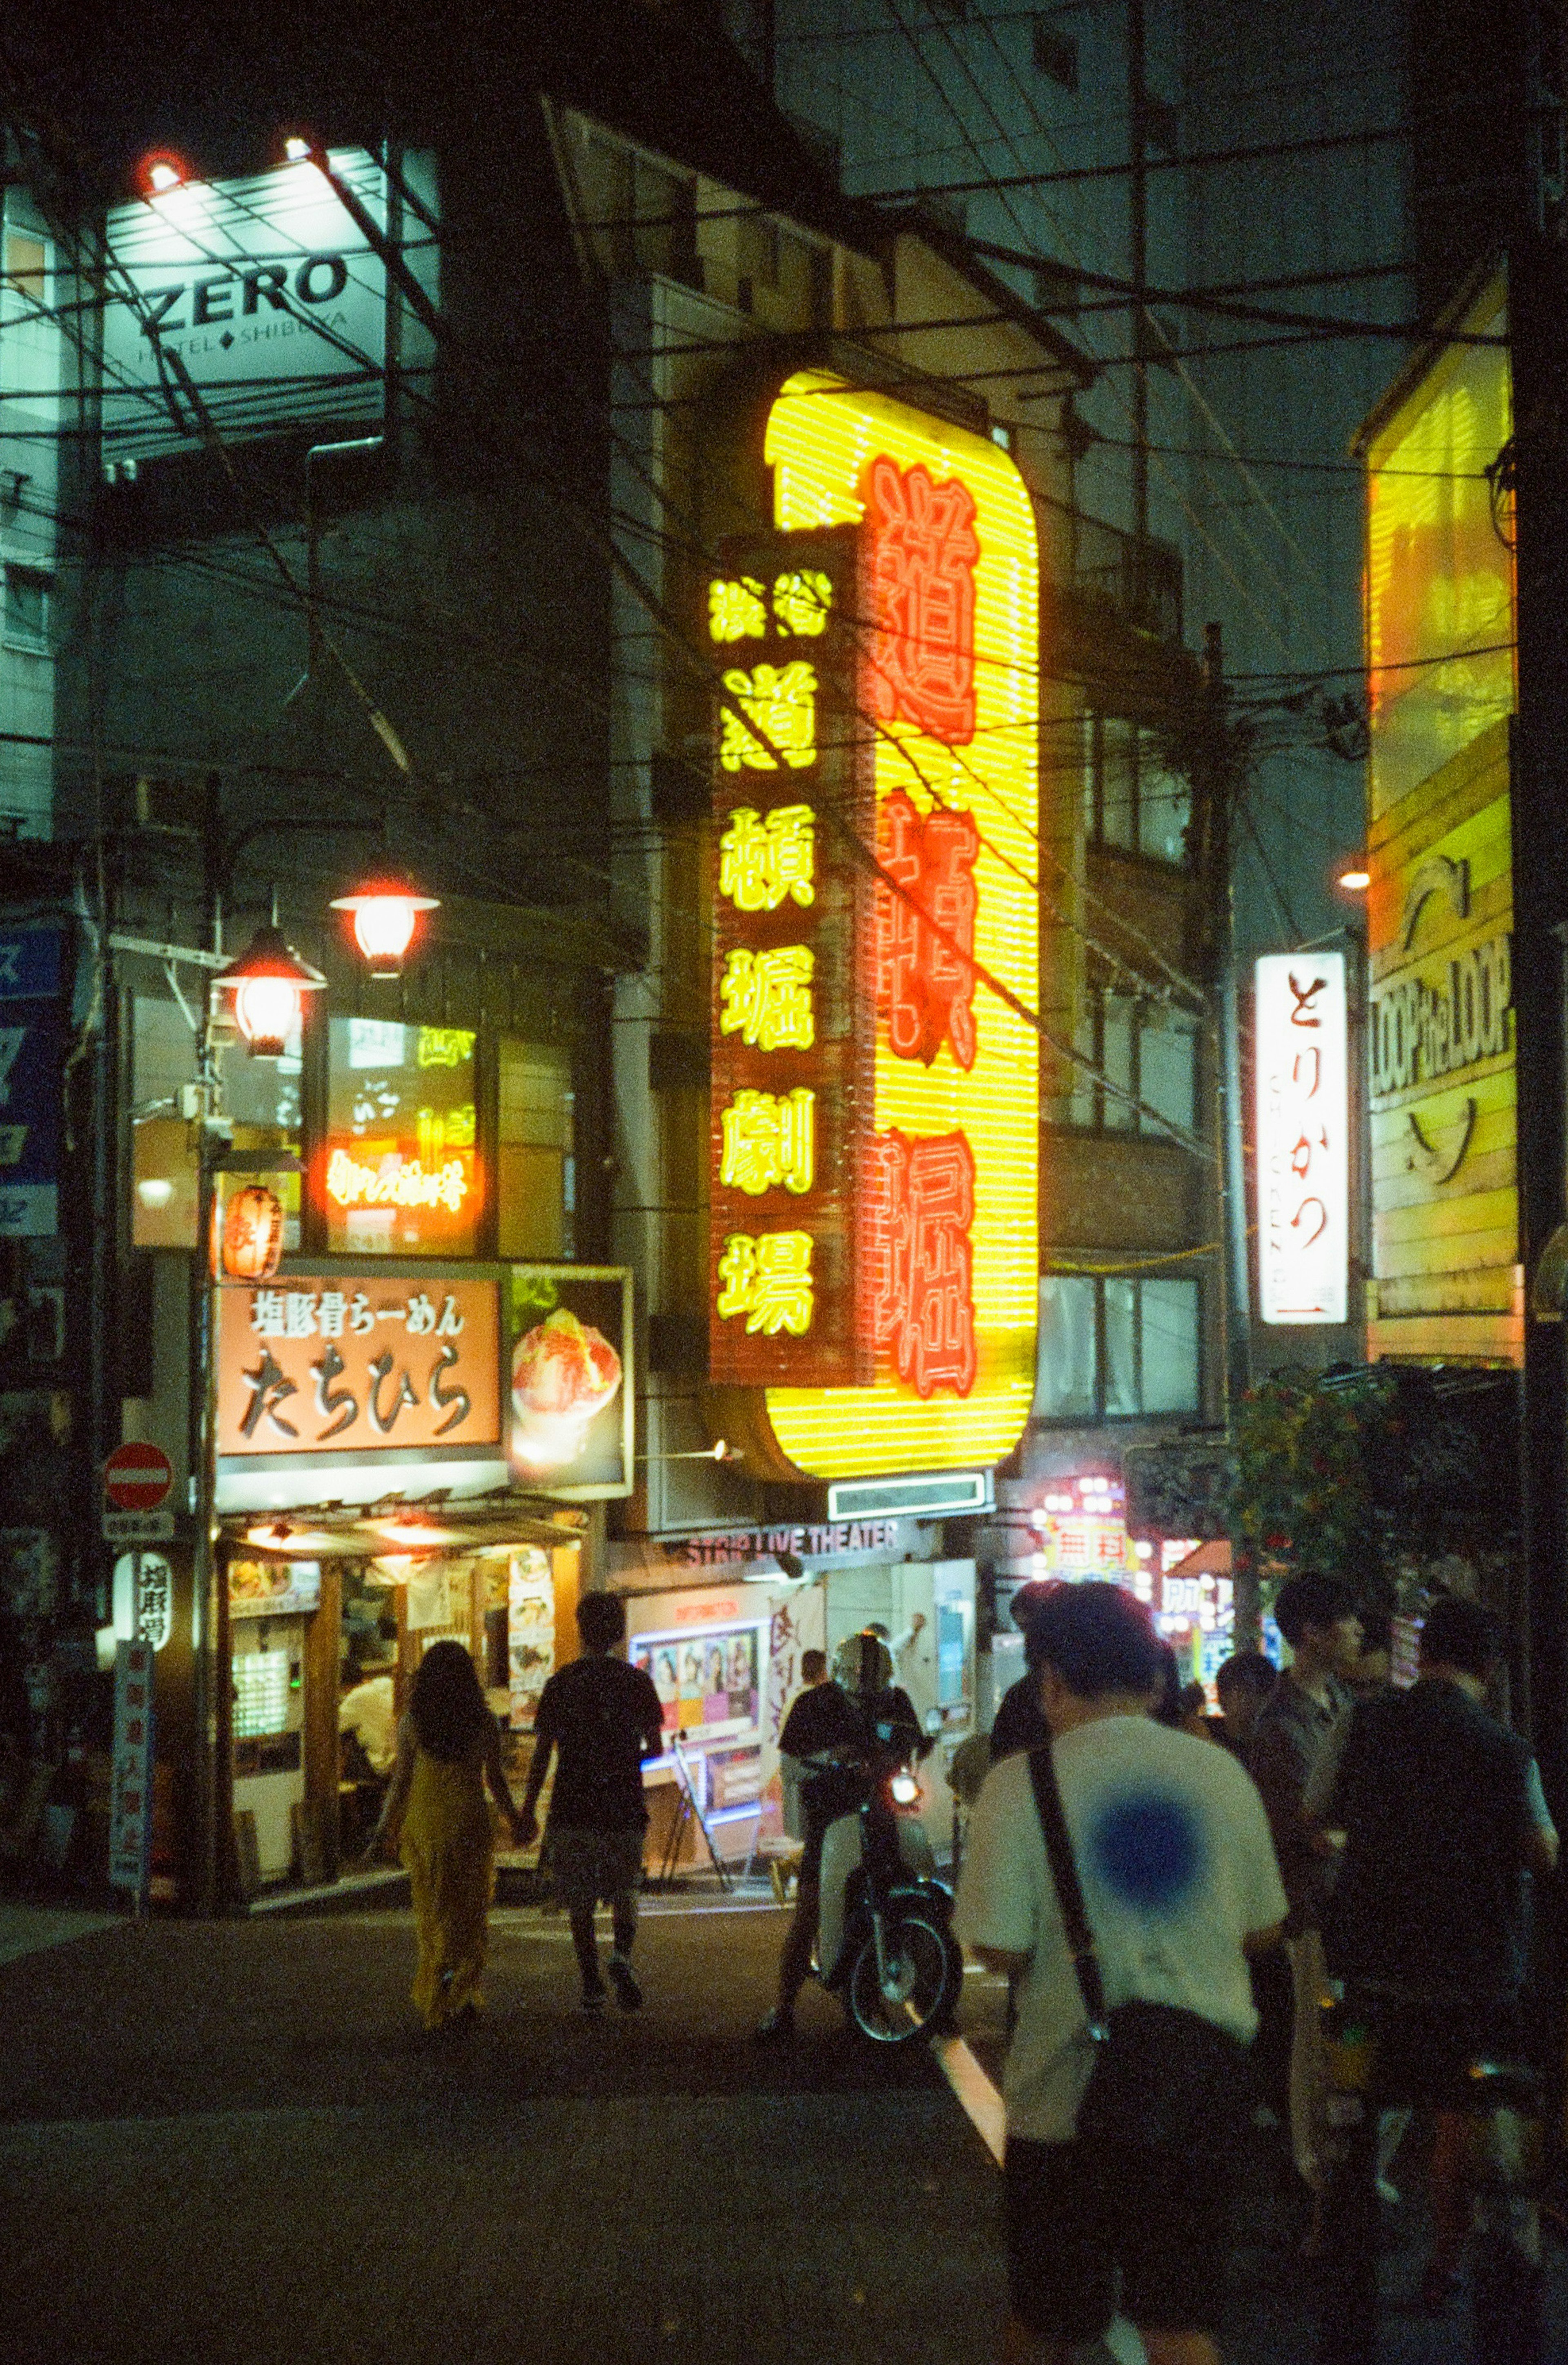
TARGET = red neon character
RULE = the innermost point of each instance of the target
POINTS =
(923, 1204)
(924, 987)
(923, 550)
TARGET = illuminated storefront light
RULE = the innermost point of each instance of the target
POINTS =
(949, 665)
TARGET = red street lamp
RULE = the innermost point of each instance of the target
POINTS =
(268, 982)
(385, 914)
(161, 173)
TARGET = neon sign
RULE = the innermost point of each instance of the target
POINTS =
(942, 1130)
(395, 1182)
(793, 976)
(1303, 1135)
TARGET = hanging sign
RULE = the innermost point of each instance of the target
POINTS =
(1302, 1138)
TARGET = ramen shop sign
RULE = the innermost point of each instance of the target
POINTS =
(343, 1364)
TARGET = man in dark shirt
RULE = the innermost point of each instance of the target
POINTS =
(1018, 1723)
(603, 1718)
(1442, 1820)
(861, 1713)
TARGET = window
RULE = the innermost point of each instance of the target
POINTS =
(535, 1176)
(1056, 53)
(26, 262)
(260, 1095)
(1146, 1048)
(1133, 799)
(401, 1175)
(1117, 1347)
(27, 609)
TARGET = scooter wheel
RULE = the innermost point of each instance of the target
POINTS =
(906, 1999)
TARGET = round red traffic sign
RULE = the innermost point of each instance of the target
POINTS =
(137, 1477)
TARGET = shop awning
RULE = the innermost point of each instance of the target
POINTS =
(1211, 1558)
(371, 1531)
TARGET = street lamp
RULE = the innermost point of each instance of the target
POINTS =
(268, 982)
(1355, 878)
(385, 914)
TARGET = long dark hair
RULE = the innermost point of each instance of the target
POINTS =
(446, 1704)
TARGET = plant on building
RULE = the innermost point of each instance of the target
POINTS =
(1378, 1473)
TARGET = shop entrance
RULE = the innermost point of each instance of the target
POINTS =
(323, 1654)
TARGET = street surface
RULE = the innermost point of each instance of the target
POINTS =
(232, 2141)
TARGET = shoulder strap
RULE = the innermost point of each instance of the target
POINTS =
(1070, 1891)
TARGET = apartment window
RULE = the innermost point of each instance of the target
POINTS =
(1056, 53)
(1132, 798)
(26, 263)
(1143, 1051)
(27, 609)
(1117, 1347)
(535, 1169)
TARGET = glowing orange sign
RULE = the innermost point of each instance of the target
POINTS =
(949, 665)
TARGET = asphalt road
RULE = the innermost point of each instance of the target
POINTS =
(232, 2142)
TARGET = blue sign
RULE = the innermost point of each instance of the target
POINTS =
(32, 1054)
(31, 960)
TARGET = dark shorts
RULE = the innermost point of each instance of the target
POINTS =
(1090, 2235)
(590, 1867)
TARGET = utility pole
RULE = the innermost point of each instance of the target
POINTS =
(1538, 317)
(1137, 204)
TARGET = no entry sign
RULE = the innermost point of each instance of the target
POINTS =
(137, 1477)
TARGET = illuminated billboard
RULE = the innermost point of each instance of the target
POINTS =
(275, 302)
(1303, 1135)
(934, 807)
(1446, 1284)
(1440, 574)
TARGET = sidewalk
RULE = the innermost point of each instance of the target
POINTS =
(25, 1929)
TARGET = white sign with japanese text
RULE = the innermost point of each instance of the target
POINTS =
(1302, 1138)
(130, 1780)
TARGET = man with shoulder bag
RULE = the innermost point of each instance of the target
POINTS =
(1123, 1873)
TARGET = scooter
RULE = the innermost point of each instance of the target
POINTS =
(885, 1943)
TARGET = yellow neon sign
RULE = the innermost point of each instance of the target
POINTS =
(766, 998)
(767, 1277)
(823, 438)
(761, 862)
(782, 701)
(769, 1140)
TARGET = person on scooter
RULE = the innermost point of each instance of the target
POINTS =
(839, 1728)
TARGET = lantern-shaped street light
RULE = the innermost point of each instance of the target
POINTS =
(385, 914)
(268, 982)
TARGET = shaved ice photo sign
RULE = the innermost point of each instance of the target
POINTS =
(569, 1379)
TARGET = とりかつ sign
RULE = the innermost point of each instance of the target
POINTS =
(335, 1364)
(1302, 1138)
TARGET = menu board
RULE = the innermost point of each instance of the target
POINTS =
(531, 1632)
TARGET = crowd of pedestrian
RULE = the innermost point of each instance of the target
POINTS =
(1330, 1849)
(1180, 1904)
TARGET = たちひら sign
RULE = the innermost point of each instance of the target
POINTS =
(343, 1363)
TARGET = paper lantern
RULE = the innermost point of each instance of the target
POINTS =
(253, 1234)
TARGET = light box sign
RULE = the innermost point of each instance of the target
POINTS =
(32, 1053)
(943, 1150)
(1302, 1138)
(355, 1366)
(272, 296)
(569, 1346)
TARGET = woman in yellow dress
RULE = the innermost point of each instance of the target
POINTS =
(448, 1745)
